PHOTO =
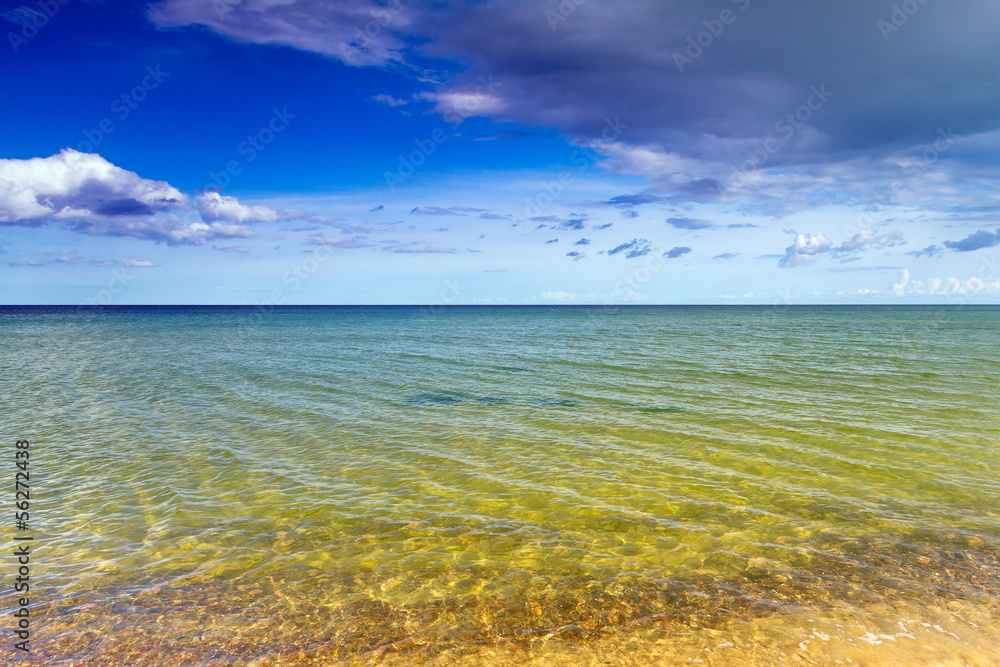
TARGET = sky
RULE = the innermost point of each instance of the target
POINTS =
(278, 152)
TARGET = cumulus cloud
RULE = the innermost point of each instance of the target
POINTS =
(868, 239)
(676, 252)
(72, 186)
(805, 249)
(954, 287)
(89, 195)
(624, 295)
(215, 207)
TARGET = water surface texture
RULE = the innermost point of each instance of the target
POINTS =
(312, 486)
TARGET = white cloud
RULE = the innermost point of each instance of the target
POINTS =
(564, 297)
(76, 186)
(456, 105)
(215, 207)
(807, 247)
(67, 257)
(869, 239)
(945, 287)
(89, 195)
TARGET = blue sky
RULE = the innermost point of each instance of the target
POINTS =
(588, 151)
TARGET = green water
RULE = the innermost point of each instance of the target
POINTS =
(622, 486)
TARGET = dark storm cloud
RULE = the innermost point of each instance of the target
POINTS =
(678, 91)
(759, 69)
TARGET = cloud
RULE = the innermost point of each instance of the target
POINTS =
(635, 248)
(451, 210)
(517, 135)
(690, 223)
(577, 256)
(171, 231)
(390, 100)
(215, 207)
(954, 287)
(377, 208)
(88, 195)
(230, 248)
(550, 241)
(607, 225)
(583, 242)
(625, 295)
(76, 187)
(977, 241)
(676, 252)
(687, 126)
(807, 247)
(356, 32)
(67, 257)
(727, 255)
(868, 239)
(333, 242)
(636, 199)
(456, 105)
(556, 222)
(930, 251)
(417, 247)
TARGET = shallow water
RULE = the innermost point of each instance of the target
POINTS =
(515, 485)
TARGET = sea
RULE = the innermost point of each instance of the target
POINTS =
(521, 486)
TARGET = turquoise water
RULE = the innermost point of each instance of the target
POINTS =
(508, 485)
